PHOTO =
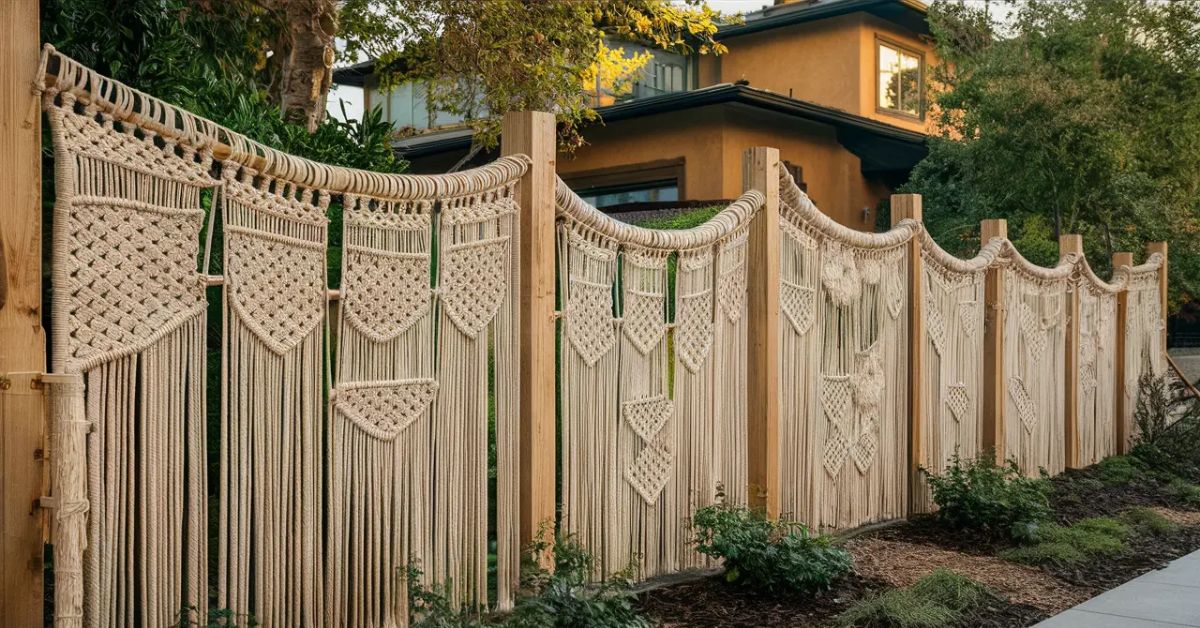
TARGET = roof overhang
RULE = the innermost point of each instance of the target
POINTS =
(907, 13)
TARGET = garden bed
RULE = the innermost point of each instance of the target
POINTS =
(893, 557)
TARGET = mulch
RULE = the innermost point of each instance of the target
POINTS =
(898, 555)
(711, 602)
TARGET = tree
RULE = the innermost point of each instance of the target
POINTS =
(508, 55)
(1083, 119)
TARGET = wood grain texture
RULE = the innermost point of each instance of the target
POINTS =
(908, 206)
(532, 133)
(1151, 249)
(22, 340)
(761, 172)
(1120, 412)
(1071, 243)
(993, 347)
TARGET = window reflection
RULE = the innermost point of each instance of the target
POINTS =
(899, 80)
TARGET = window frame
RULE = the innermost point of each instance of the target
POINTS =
(900, 48)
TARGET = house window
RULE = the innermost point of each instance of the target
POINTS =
(643, 192)
(900, 80)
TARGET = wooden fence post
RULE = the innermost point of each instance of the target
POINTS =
(761, 172)
(909, 206)
(1121, 413)
(993, 346)
(1151, 249)
(532, 133)
(22, 340)
(1071, 243)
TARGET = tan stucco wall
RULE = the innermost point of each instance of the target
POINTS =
(711, 141)
(831, 62)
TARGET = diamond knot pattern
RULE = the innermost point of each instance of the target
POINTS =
(799, 305)
(958, 400)
(645, 323)
(277, 288)
(1024, 403)
(694, 329)
(589, 319)
(474, 278)
(385, 409)
(648, 416)
(384, 294)
(649, 473)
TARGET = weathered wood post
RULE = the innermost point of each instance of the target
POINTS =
(22, 340)
(1071, 244)
(533, 133)
(761, 172)
(1121, 411)
(909, 206)
(993, 346)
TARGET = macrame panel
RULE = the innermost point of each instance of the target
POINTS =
(380, 473)
(477, 326)
(129, 316)
(845, 375)
(272, 557)
(1034, 363)
(730, 354)
(952, 368)
(1145, 351)
(644, 528)
(593, 479)
(1097, 369)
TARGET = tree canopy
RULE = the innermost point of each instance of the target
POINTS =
(510, 55)
(1083, 118)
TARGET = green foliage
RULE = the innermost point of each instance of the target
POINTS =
(566, 598)
(939, 599)
(1064, 546)
(775, 557)
(1079, 117)
(1120, 470)
(1148, 521)
(479, 59)
(685, 219)
(431, 607)
(981, 495)
(1185, 492)
(1167, 427)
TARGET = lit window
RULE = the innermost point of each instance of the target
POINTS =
(899, 80)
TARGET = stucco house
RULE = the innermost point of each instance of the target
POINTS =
(837, 85)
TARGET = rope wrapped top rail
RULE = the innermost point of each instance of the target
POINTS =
(62, 74)
(726, 222)
(987, 256)
(793, 200)
(1148, 267)
(1119, 282)
(1062, 270)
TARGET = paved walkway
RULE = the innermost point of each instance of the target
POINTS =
(1168, 597)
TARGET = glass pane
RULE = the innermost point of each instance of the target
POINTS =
(910, 84)
(889, 77)
(654, 192)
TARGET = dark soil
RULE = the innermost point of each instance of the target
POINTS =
(1146, 553)
(1082, 493)
(712, 602)
(1004, 615)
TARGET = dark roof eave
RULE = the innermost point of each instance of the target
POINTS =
(808, 14)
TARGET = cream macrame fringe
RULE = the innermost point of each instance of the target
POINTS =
(129, 317)
(642, 452)
(843, 419)
(1145, 350)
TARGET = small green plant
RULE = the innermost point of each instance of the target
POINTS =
(567, 597)
(1167, 422)
(1119, 470)
(1071, 545)
(1185, 492)
(939, 599)
(979, 494)
(430, 607)
(771, 556)
(1148, 521)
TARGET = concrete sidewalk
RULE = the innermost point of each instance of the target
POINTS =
(1167, 597)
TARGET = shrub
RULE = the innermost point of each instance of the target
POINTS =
(774, 557)
(1064, 546)
(982, 495)
(1185, 492)
(1148, 521)
(1167, 421)
(939, 599)
(1119, 470)
(431, 607)
(567, 598)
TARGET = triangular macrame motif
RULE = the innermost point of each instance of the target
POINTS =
(391, 291)
(1024, 403)
(385, 409)
(694, 329)
(277, 288)
(958, 400)
(644, 323)
(649, 473)
(647, 416)
(589, 319)
(799, 305)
